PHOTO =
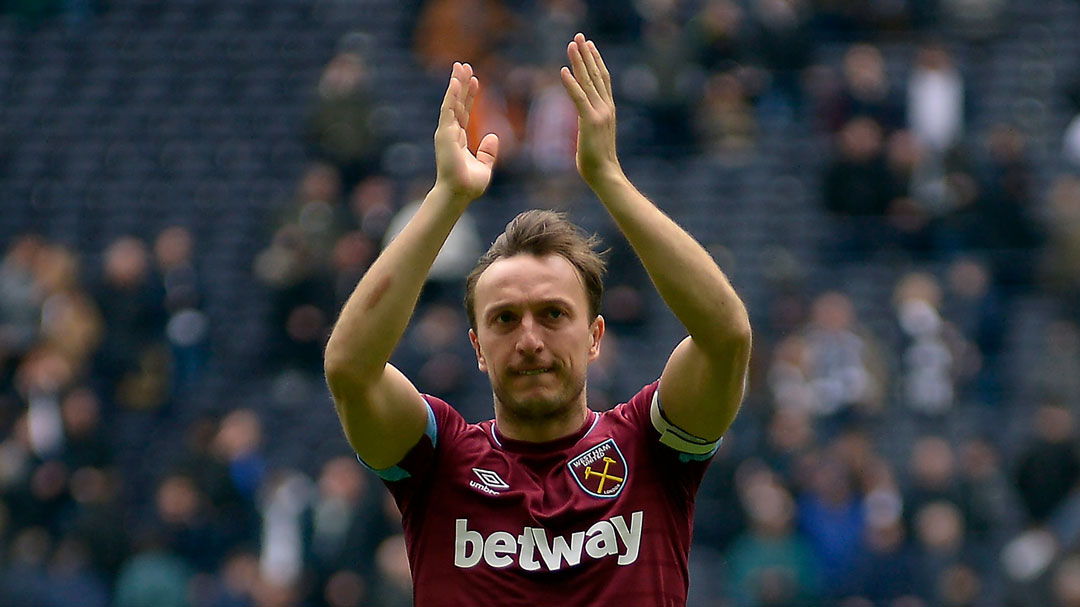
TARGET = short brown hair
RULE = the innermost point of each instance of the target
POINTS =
(540, 233)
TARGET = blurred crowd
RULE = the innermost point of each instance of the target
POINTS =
(894, 461)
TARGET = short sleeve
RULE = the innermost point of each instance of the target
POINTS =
(443, 422)
(682, 471)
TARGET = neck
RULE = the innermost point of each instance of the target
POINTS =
(540, 430)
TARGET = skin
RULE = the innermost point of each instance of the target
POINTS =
(701, 387)
(535, 340)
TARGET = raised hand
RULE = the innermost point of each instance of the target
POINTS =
(589, 86)
(464, 175)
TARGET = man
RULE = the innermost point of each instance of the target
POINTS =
(549, 503)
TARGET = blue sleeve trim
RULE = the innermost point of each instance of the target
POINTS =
(397, 473)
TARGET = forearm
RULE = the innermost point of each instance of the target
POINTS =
(685, 275)
(378, 311)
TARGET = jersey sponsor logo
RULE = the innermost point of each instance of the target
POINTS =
(533, 550)
(600, 471)
(490, 482)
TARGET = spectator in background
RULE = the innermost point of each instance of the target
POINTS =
(434, 353)
(238, 444)
(931, 476)
(343, 126)
(20, 301)
(886, 575)
(724, 120)
(1060, 264)
(788, 438)
(71, 323)
(301, 296)
(991, 509)
(460, 30)
(315, 210)
(1048, 467)
(831, 514)
(945, 572)
(133, 360)
(936, 362)
(911, 215)
(935, 100)
(858, 190)
(353, 253)
(188, 327)
(393, 582)
(832, 368)
(719, 35)
(784, 46)
(864, 92)
(185, 522)
(974, 305)
(345, 517)
(285, 501)
(1004, 223)
(1056, 371)
(296, 267)
(664, 82)
(771, 564)
(370, 206)
(154, 576)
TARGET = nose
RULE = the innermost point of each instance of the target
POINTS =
(529, 340)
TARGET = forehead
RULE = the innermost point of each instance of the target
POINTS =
(525, 278)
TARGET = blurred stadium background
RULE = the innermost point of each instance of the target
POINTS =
(190, 188)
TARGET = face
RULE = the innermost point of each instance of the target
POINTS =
(534, 337)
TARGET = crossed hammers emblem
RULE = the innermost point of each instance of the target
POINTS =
(604, 476)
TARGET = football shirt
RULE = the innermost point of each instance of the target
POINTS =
(602, 517)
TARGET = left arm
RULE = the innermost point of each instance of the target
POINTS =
(701, 387)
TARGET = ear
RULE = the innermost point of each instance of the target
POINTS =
(597, 330)
(480, 362)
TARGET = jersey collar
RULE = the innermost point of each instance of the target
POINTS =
(510, 444)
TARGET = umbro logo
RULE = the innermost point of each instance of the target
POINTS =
(490, 482)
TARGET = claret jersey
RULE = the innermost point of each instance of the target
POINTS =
(602, 517)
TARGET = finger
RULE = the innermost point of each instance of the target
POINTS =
(577, 95)
(470, 97)
(587, 51)
(453, 90)
(581, 73)
(605, 75)
(488, 149)
(463, 74)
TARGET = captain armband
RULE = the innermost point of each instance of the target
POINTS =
(690, 447)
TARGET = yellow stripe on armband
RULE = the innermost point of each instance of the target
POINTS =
(678, 439)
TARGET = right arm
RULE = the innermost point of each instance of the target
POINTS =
(382, 413)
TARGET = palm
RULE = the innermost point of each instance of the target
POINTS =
(459, 169)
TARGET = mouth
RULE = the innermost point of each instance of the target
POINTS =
(530, 372)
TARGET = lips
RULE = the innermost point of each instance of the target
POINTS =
(534, 371)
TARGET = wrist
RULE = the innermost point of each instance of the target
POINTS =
(607, 180)
(445, 194)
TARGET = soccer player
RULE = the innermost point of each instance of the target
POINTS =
(549, 503)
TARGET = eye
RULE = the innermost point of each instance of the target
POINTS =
(504, 317)
(555, 313)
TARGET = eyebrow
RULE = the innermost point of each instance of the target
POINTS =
(503, 305)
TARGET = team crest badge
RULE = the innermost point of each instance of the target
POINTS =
(600, 471)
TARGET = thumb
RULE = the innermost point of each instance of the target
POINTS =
(488, 149)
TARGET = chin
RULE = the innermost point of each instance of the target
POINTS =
(538, 402)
